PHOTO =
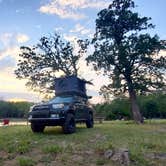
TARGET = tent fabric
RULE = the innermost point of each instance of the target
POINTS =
(71, 85)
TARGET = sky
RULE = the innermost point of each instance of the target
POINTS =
(24, 22)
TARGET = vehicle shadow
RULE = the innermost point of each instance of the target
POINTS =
(59, 131)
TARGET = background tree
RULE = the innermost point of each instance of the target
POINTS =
(14, 110)
(151, 106)
(130, 58)
(42, 63)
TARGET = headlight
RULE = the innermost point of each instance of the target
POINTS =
(54, 115)
(30, 117)
(56, 106)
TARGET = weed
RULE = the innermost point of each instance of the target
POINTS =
(100, 162)
(25, 161)
(102, 147)
(18, 147)
(69, 148)
(46, 159)
(138, 160)
(23, 147)
(53, 149)
(151, 146)
(1, 161)
(11, 148)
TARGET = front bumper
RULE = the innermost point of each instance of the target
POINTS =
(47, 121)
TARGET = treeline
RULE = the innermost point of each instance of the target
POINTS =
(151, 106)
(14, 109)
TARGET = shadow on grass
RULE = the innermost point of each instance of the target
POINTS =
(58, 130)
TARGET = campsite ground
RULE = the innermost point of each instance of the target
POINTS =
(146, 144)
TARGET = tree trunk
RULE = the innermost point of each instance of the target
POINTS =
(135, 108)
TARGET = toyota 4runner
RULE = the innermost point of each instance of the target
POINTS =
(65, 111)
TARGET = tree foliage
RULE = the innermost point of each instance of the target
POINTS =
(50, 57)
(126, 53)
(151, 106)
(14, 110)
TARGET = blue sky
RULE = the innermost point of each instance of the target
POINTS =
(23, 22)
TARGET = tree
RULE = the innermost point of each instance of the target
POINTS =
(130, 58)
(14, 110)
(42, 63)
(151, 106)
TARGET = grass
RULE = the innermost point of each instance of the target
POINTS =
(25, 161)
(53, 149)
(19, 146)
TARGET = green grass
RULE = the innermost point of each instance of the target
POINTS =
(25, 161)
(52, 149)
(20, 146)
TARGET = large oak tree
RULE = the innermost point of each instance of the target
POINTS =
(126, 53)
(51, 57)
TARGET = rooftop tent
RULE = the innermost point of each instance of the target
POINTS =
(70, 85)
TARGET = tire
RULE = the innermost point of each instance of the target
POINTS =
(69, 125)
(37, 128)
(89, 121)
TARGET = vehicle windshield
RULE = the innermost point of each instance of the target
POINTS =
(61, 100)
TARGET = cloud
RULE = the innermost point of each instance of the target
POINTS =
(61, 12)
(22, 38)
(59, 29)
(9, 83)
(10, 39)
(70, 38)
(75, 4)
(9, 55)
(69, 8)
(80, 29)
(6, 39)
(10, 43)
(10, 96)
(38, 26)
(88, 73)
(20, 11)
(7, 62)
(12, 51)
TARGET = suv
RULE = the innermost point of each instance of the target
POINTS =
(63, 111)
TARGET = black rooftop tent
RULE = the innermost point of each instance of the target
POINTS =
(70, 85)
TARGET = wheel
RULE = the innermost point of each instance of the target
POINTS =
(89, 121)
(37, 128)
(69, 125)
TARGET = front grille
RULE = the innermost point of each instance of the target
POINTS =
(41, 111)
(41, 108)
(40, 116)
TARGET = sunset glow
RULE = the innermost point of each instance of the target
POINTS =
(16, 100)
